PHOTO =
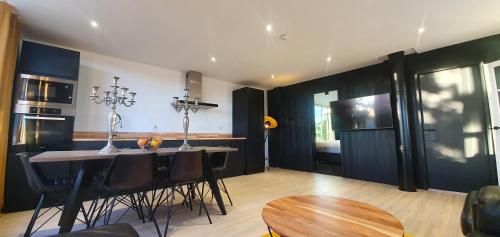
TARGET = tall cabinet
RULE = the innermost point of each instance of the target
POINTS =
(248, 115)
(40, 60)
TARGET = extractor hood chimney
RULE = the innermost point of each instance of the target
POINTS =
(194, 84)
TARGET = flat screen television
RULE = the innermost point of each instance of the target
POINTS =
(369, 112)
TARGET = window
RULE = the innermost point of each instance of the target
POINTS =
(323, 124)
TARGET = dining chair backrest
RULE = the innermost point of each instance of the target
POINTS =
(218, 160)
(32, 175)
(131, 172)
(187, 166)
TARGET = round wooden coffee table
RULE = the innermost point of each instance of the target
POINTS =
(297, 216)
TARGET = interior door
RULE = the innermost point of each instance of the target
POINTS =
(453, 116)
(492, 76)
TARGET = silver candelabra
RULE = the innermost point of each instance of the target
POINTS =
(185, 105)
(112, 99)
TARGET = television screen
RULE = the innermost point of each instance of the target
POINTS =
(367, 112)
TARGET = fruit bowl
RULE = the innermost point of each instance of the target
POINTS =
(150, 143)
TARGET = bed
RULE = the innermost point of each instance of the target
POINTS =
(328, 152)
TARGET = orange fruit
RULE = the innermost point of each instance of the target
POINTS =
(141, 142)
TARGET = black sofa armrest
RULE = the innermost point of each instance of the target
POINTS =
(487, 210)
(467, 218)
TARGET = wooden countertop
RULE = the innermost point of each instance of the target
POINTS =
(57, 156)
(132, 136)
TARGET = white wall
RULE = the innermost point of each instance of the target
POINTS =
(155, 88)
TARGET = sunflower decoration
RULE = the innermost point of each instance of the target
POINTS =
(270, 122)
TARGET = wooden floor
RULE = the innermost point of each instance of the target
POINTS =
(424, 213)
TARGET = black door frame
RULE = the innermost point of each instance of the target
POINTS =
(420, 140)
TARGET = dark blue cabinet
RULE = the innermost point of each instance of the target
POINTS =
(45, 60)
(248, 115)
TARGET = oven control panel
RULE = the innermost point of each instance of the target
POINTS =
(44, 110)
(30, 109)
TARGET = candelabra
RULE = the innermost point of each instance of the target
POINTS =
(111, 100)
(185, 105)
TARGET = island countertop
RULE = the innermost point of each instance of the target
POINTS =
(59, 156)
(132, 136)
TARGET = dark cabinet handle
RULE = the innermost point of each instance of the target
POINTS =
(430, 130)
(496, 128)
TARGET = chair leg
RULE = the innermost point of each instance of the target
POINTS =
(191, 195)
(99, 212)
(160, 201)
(203, 188)
(107, 218)
(225, 190)
(184, 195)
(138, 206)
(150, 210)
(35, 215)
(141, 204)
(202, 196)
(135, 206)
(202, 203)
(170, 203)
(92, 210)
(85, 216)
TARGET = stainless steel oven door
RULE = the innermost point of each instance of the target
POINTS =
(42, 130)
(45, 91)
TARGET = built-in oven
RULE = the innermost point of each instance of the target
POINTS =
(43, 128)
(45, 91)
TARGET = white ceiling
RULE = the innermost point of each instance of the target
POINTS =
(184, 34)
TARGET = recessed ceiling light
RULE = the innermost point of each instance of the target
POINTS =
(272, 76)
(328, 59)
(269, 27)
(421, 30)
(213, 59)
(94, 24)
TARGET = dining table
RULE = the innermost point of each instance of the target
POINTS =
(92, 161)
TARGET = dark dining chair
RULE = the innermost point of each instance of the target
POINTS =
(218, 162)
(41, 186)
(186, 169)
(127, 181)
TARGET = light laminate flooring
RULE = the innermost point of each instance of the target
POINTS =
(425, 213)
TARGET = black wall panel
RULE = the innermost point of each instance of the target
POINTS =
(289, 144)
(370, 155)
(296, 132)
(292, 143)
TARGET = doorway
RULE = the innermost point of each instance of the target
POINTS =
(454, 128)
(492, 78)
(327, 155)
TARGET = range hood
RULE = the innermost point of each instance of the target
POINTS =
(194, 84)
